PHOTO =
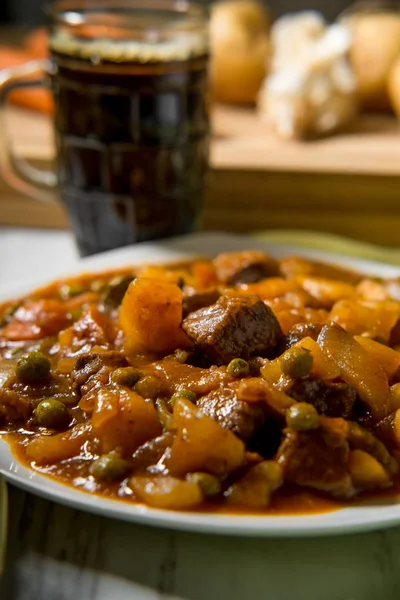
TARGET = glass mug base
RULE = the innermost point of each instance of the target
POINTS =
(105, 221)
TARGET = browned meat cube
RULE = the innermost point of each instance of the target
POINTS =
(89, 365)
(317, 459)
(300, 331)
(245, 267)
(151, 452)
(243, 418)
(13, 407)
(194, 300)
(330, 399)
(234, 327)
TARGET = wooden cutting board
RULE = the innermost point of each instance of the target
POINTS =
(347, 184)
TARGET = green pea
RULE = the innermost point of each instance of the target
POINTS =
(52, 414)
(164, 415)
(7, 314)
(238, 368)
(184, 395)
(70, 290)
(210, 485)
(98, 285)
(33, 367)
(70, 399)
(296, 363)
(127, 376)
(150, 386)
(109, 467)
(302, 417)
(76, 313)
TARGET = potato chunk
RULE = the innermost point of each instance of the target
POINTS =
(255, 488)
(123, 419)
(151, 315)
(166, 492)
(201, 444)
(323, 367)
(51, 449)
(386, 357)
(366, 471)
(358, 368)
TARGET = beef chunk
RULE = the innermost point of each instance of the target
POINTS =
(89, 365)
(14, 407)
(193, 300)
(243, 418)
(234, 327)
(317, 459)
(267, 439)
(245, 267)
(151, 452)
(394, 339)
(300, 331)
(255, 365)
(330, 399)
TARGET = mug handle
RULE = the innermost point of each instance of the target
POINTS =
(16, 171)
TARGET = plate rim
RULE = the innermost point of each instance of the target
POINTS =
(3, 521)
(354, 519)
(357, 518)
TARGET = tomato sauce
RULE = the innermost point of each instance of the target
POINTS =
(239, 385)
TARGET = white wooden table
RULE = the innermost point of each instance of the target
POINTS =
(56, 553)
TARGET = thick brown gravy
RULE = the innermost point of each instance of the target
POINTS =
(287, 501)
(233, 427)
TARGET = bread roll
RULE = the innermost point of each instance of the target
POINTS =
(374, 49)
(393, 87)
(311, 90)
(239, 49)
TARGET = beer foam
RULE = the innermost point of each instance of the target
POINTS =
(183, 46)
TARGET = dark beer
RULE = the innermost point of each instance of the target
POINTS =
(132, 142)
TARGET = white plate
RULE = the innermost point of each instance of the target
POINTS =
(357, 518)
(3, 521)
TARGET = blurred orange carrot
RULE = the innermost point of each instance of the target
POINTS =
(36, 99)
(36, 42)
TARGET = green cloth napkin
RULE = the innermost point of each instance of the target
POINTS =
(329, 242)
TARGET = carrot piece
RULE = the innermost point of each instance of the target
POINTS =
(271, 288)
(326, 291)
(36, 320)
(36, 99)
(377, 319)
(36, 42)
